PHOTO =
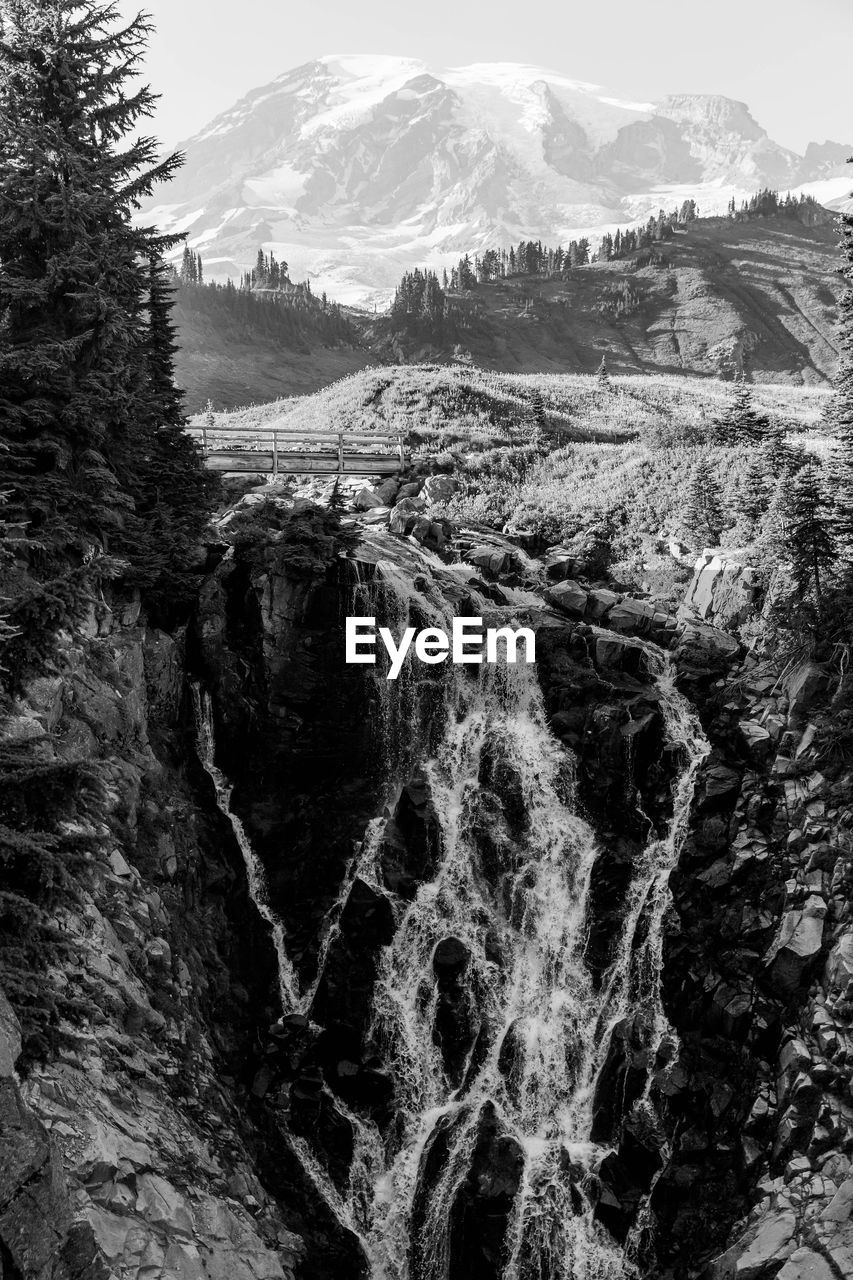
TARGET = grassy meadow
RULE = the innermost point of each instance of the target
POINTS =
(612, 461)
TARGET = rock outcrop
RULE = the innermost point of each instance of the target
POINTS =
(723, 591)
(127, 1148)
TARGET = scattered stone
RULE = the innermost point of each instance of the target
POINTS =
(568, 597)
(722, 591)
(798, 944)
(439, 488)
(631, 616)
(366, 499)
(803, 686)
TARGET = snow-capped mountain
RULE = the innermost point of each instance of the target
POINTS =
(354, 169)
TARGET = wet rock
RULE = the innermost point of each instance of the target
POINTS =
(569, 597)
(621, 1081)
(490, 560)
(609, 652)
(456, 1024)
(704, 646)
(631, 617)
(402, 519)
(412, 840)
(377, 516)
(840, 1207)
(481, 1208)
(450, 959)
(410, 490)
(366, 499)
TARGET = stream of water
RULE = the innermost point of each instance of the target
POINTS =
(513, 893)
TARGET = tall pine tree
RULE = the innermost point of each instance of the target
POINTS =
(79, 405)
(703, 517)
(740, 421)
(810, 543)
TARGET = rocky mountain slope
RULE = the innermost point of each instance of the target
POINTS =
(721, 298)
(354, 169)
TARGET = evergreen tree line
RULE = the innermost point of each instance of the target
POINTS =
(295, 321)
(532, 258)
(191, 269)
(267, 273)
(265, 303)
(98, 479)
(769, 204)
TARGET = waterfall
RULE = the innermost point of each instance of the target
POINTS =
(500, 1067)
(255, 874)
(544, 1027)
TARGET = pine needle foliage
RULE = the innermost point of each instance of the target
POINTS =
(703, 516)
(97, 478)
(740, 421)
(810, 541)
(88, 409)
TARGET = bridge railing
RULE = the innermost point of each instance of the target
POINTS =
(280, 441)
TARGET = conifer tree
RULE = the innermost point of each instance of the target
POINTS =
(336, 498)
(77, 369)
(810, 542)
(740, 421)
(755, 489)
(703, 512)
(780, 458)
(602, 375)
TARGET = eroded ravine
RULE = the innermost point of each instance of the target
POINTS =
(485, 1008)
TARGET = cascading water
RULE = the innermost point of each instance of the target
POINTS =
(521, 915)
(508, 913)
(255, 875)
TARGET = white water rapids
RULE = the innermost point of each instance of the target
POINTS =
(519, 902)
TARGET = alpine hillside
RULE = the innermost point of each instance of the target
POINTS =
(719, 297)
(354, 168)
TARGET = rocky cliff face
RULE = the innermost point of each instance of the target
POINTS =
(243, 1089)
(128, 1151)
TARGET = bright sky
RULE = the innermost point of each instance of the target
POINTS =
(788, 59)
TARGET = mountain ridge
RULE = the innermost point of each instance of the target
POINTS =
(357, 168)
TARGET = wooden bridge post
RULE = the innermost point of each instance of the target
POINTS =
(275, 453)
(340, 453)
(204, 440)
(402, 447)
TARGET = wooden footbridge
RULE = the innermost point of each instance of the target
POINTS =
(280, 449)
